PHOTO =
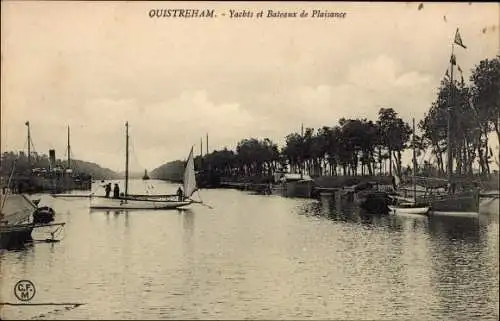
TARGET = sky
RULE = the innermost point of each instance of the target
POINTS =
(95, 65)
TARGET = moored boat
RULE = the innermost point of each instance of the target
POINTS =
(146, 176)
(409, 209)
(292, 185)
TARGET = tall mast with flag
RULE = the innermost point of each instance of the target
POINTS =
(453, 62)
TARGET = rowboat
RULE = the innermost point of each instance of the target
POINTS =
(409, 209)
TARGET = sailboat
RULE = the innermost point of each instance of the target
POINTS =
(410, 205)
(460, 198)
(131, 202)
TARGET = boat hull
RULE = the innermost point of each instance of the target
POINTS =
(372, 202)
(70, 195)
(300, 189)
(15, 235)
(135, 204)
(12, 236)
(467, 202)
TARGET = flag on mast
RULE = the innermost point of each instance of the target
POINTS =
(458, 40)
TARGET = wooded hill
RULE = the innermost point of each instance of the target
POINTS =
(42, 161)
(171, 171)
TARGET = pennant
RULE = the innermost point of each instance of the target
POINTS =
(459, 69)
(458, 40)
(27, 123)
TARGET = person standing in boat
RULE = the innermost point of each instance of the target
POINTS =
(180, 194)
(116, 191)
(107, 188)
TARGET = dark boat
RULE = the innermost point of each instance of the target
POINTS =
(43, 215)
(146, 176)
(373, 202)
(463, 201)
(292, 185)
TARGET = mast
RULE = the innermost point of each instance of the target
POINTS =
(207, 145)
(414, 164)
(69, 152)
(126, 159)
(29, 146)
(448, 137)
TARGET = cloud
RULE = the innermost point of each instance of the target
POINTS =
(175, 80)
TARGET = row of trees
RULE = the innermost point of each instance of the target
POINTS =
(361, 146)
(351, 147)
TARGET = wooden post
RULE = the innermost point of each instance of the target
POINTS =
(69, 152)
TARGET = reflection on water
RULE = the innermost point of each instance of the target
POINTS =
(259, 257)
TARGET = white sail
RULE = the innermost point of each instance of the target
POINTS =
(189, 176)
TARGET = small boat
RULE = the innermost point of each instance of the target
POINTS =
(292, 185)
(409, 209)
(146, 176)
(43, 215)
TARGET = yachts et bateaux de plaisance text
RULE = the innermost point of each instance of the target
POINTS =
(210, 13)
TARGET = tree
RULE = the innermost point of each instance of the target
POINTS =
(395, 133)
(485, 92)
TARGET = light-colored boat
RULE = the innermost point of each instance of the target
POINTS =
(130, 202)
(409, 209)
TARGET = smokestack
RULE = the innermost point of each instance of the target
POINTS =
(52, 158)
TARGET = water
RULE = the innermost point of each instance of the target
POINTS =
(257, 257)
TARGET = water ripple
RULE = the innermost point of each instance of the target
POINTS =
(257, 257)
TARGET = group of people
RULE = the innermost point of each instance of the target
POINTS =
(116, 190)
